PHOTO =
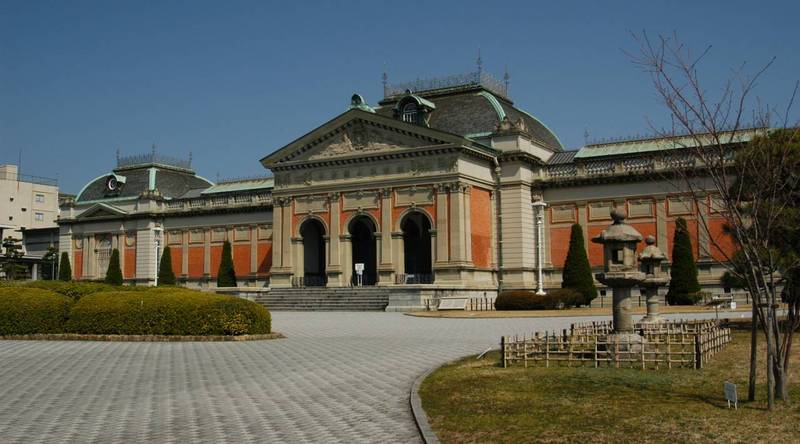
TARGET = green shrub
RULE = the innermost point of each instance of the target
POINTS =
(528, 300)
(165, 273)
(26, 310)
(167, 311)
(73, 289)
(683, 272)
(64, 269)
(577, 274)
(114, 273)
(226, 276)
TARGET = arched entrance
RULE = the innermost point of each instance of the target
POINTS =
(362, 238)
(417, 248)
(312, 233)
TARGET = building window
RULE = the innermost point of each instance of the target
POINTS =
(410, 112)
(39, 198)
(39, 217)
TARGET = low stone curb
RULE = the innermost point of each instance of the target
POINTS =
(139, 338)
(420, 417)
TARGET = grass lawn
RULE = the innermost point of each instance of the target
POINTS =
(477, 401)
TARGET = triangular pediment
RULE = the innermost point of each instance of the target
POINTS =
(102, 210)
(358, 133)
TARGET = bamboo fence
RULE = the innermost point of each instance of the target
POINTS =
(669, 345)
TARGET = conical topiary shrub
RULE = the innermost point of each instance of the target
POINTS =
(577, 274)
(683, 285)
(114, 273)
(165, 274)
(64, 269)
(226, 276)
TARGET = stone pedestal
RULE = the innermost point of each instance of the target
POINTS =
(623, 322)
(650, 289)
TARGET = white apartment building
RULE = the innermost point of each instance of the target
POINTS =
(26, 202)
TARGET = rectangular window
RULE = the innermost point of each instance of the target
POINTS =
(39, 217)
(39, 198)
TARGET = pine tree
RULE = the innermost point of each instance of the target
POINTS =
(114, 273)
(683, 285)
(165, 274)
(64, 269)
(226, 276)
(577, 274)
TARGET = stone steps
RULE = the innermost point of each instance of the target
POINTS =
(324, 299)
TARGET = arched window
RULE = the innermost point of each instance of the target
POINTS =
(410, 112)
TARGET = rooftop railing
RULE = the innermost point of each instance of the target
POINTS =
(151, 158)
(470, 79)
(37, 180)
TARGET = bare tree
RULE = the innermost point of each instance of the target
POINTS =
(746, 173)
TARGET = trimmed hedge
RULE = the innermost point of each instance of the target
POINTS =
(26, 311)
(168, 311)
(555, 299)
(74, 289)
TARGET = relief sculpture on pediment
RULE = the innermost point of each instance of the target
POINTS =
(359, 137)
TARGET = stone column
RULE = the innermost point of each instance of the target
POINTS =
(442, 247)
(458, 247)
(347, 263)
(467, 215)
(661, 224)
(399, 253)
(185, 253)
(253, 251)
(277, 234)
(334, 267)
(298, 257)
(703, 236)
(386, 263)
(286, 244)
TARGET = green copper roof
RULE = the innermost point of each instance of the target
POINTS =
(501, 114)
(241, 185)
(661, 144)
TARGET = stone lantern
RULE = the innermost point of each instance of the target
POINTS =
(621, 272)
(650, 259)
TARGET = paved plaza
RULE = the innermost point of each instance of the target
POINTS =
(337, 377)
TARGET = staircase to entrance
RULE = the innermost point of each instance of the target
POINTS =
(366, 298)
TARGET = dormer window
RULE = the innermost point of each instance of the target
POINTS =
(410, 111)
(413, 109)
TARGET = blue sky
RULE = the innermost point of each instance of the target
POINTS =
(233, 81)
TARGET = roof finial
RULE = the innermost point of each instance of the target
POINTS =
(117, 156)
(190, 159)
(479, 62)
(153, 151)
(586, 136)
(506, 78)
(385, 78)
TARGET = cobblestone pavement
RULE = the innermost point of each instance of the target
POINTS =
(337, 377)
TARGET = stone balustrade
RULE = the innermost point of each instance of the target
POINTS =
(226, 201)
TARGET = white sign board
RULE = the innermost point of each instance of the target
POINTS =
(730, 394)
(453, 304)
(359, 268)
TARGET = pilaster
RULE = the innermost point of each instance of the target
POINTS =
(442, 247)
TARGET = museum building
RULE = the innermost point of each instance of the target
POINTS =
(443, 187)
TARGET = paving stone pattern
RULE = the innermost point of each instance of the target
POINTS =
(337, 377)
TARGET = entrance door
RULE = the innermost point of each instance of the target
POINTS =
(417, 248)
(314, 274)
(362, 237)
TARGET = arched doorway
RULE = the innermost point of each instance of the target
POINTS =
(312, 233)
(417, 248)
(362, 238)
